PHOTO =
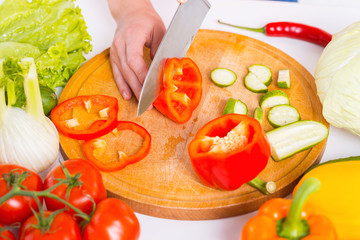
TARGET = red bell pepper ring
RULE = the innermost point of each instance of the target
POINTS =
(182, 89)
(84, 134)
(229, 151)
(89, 146)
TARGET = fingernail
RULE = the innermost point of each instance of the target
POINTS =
(125, 95)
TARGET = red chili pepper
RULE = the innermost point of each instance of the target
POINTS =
(229, 151)
(111, 103)
(292, 30)
(181, 92)
(90, 146)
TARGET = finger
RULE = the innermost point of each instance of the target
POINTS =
(135, 59)
(122, 85)
(128, 74)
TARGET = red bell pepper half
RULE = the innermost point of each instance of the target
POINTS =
(182, 88)
(229, 151)
(106, 102)
(89, 147)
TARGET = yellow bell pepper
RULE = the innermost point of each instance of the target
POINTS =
(339, 196)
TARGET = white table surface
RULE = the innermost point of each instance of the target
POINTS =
(332, 17)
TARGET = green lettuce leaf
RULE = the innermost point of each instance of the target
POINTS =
(53, 32)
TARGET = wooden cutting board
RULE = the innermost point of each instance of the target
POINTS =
(164, 183)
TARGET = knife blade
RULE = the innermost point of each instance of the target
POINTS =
(175, 43)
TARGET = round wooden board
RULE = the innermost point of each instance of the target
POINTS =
(164, 183)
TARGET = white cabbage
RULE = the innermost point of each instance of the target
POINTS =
(337, 78)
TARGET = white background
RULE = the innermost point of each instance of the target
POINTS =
(330, 15)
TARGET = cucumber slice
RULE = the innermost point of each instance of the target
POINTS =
(273, 98)
(259, 114)
(262, 72)
(281, 115)
(295, 137)
(253, 84)
(284, 78)
(235, 106)
(258, 78)
(223, 77)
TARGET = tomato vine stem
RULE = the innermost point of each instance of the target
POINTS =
(17, 191)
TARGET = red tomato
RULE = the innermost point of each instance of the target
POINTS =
(18, 209)
(63, 227)
(112, 220)
(6, 234)
(92, 185)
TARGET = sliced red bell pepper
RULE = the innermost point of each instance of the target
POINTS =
(107, 102)
(89, 147)
(182, 88)
(229, 151)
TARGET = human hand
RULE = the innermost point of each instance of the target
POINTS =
(138, 25)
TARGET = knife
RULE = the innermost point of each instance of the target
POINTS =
(175, 43)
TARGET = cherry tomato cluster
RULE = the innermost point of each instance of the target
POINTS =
(76, 203)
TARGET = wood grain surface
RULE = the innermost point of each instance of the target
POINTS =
(164, 183)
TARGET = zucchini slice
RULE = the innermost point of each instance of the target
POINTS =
(253, 84)
(284, 79)
(283, 114)
(295, 137)
(258, 78)
(273, 98)
(223, 77)
(259, 114)
(235, 106)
